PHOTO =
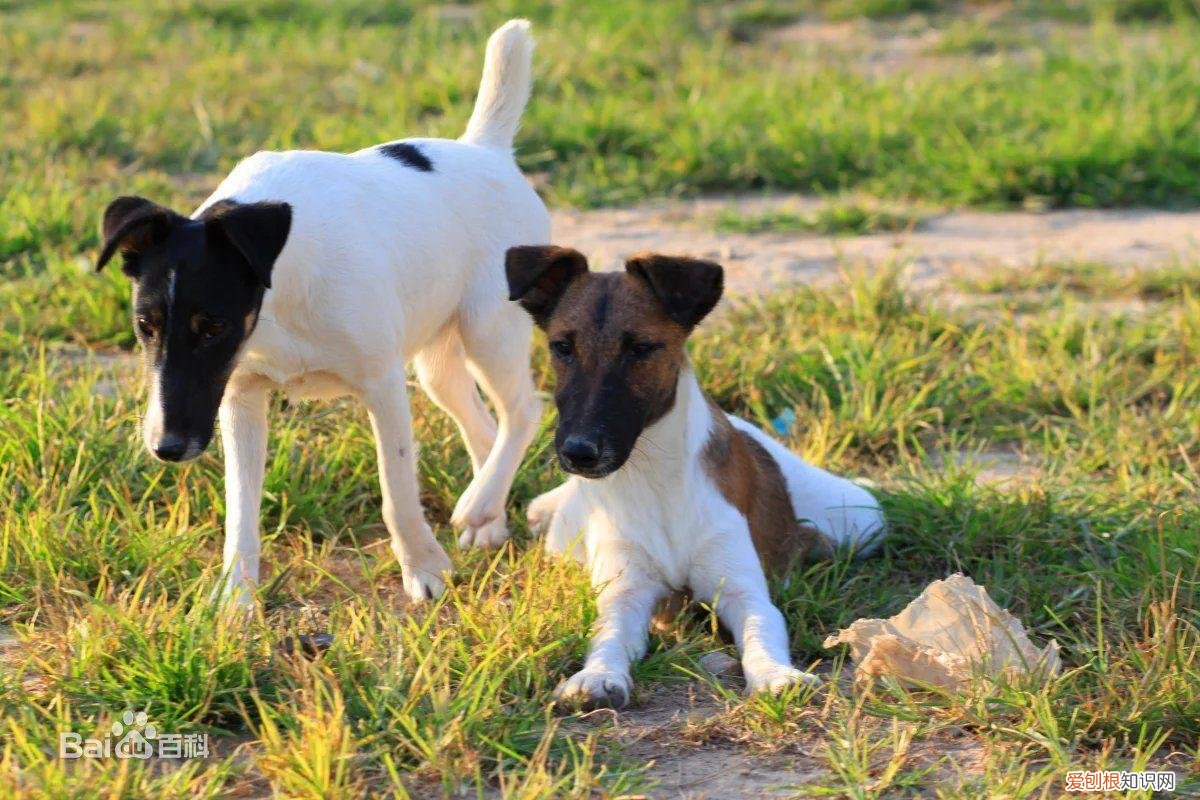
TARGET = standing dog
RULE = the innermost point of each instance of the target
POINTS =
(671, 495)
(324, 274)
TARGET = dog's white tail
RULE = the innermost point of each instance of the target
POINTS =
(504, 89)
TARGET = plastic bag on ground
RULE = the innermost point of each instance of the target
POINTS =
(951, 633)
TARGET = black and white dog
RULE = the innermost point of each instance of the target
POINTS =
(324, 274)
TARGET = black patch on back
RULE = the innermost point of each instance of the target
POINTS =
(407, 154)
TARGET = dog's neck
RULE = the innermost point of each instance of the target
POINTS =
(667, 446)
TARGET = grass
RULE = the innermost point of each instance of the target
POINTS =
(1088, 280)
(980, 38)
(831, 219)
(631, 101)
(107, 559)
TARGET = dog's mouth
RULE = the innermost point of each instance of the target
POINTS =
(605, 466)
(594, 473)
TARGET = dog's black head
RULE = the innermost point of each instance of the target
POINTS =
(617, 343)
(197, 289)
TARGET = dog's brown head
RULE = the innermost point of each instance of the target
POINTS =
(616, 340)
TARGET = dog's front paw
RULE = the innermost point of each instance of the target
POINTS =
(424, 578)
(778, 678)
(591, 689)
(541, 511)
(421, 584)
(482, 523)
(490, 535)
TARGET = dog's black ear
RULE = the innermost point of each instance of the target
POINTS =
(687, 288)
(257, 230)
(131, 225)
(538, 275)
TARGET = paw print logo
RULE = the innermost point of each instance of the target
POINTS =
(138, 731)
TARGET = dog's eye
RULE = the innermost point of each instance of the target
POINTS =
(562, 348)
(640, 350)
(145, 327)
(211, 330)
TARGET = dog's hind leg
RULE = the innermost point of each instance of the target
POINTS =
(422, 560)
(497, 337)
(442, 371)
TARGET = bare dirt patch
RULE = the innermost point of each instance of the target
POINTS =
(940, 245)
(999, 467)
(694, 748)
(922, 43)
(654, 732)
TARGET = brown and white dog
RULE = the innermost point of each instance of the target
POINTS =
(668, 494)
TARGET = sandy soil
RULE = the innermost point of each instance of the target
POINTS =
(675, 731)
(939, 245)
(653, 732)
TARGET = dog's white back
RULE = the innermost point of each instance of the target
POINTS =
(381, 255)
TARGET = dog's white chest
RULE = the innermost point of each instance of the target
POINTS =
(281, 366)
(665, 525)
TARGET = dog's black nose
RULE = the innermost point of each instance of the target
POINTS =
(579, 453)
(170, 447)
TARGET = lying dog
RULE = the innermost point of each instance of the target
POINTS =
(671, 495)
(324, 274)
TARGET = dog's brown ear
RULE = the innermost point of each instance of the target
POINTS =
(131, 225)
(538, 275)
(257, 230)
(687, 288)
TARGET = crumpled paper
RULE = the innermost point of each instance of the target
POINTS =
(950, 634)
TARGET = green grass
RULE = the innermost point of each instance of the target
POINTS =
(106, 560)
(632, 100)
(1088, 280)
(1077, 10)
(782, 12)
(832, 219)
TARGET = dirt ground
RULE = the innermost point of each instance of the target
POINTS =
(940, 245)
(696, 770)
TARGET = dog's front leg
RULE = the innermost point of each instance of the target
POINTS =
(244, 436)
(422, 560)
(625, 605)
(561, 515)
(744, 605)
